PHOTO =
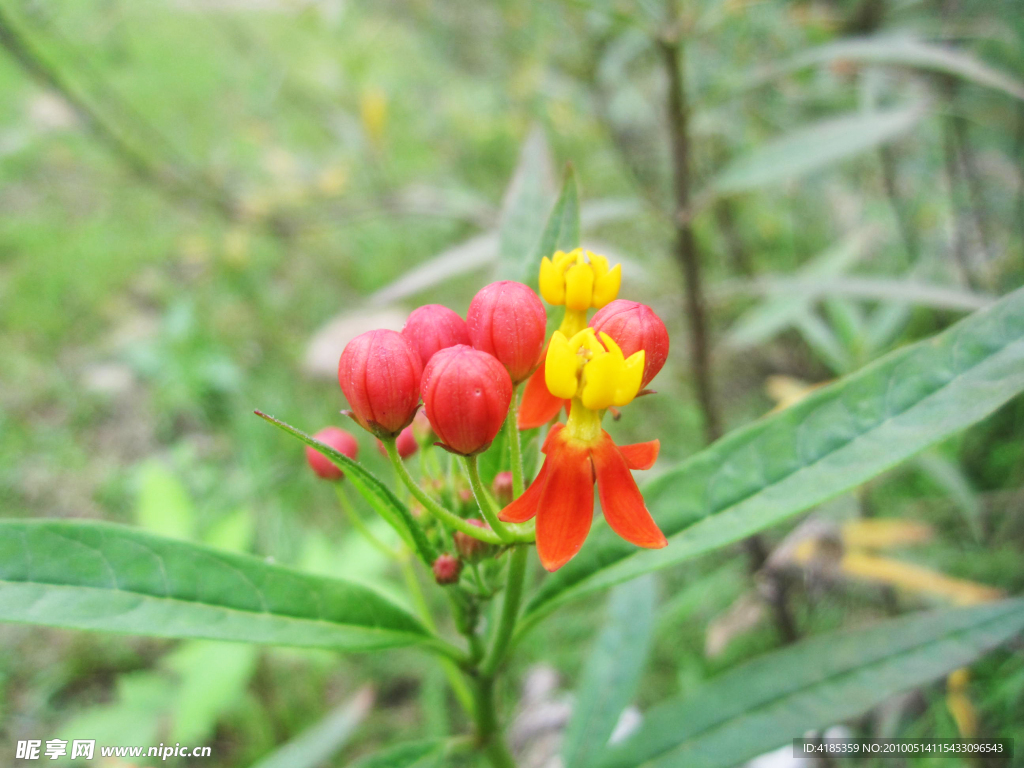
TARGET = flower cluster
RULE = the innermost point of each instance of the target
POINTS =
(466, 374)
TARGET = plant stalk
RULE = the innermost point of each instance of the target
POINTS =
(488, 507)
(515, 446)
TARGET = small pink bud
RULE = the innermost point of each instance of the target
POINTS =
(466, 393)
(468, 547)
(434, 327)
(379, 373)
(502, 488)
(507, 320)
(405, 443)
(447, 569)
(634, 326)
(339, 440)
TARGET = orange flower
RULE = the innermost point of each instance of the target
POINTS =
(592, 372)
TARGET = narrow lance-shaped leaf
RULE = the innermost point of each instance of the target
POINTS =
(524, 209)
(562, 231)
(813, 147)
(98, 576)
(906, 51)
(612, 672)
(817, 683)
(834, 440)
(376, 493)
(415, 754)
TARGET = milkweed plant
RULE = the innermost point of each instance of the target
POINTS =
(447, 395)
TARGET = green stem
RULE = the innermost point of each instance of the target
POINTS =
(359, 525)
(451, 670)
(443, 515)
(484, 500)
(514, 444)
(489, 737)
(509, 610)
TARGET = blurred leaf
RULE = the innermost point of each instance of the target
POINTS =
(951, 478)
(834, 440)
(475, 253)
(562, 231)
(823, 341)
(140, 702)
(417, 754)
(813, 147)
(233, 533)
(611, 673)
(376, 493)
(776, 313)
(906, 51)
(884, 325)
(88, 575)
(524, 209)
(914, 578)
(213, 678)
(766, 703)
(163, 505)
(315, 745)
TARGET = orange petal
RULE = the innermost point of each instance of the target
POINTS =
(525, 507)
(566, 506)
(640, 455)
(621, 502)
(539, 406)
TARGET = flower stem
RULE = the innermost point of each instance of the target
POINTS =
(509, 610)
(515, 446)
(489, 736)
(443, 515)
(362, 527)
(484, 500)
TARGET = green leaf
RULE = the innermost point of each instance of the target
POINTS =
(830, 678)
(376, 493)
(163, 505)
(834, 440)
(562, 232)
(813, 147)
(524, 210)
(317, 744)
(88, 575)
(611, 674)
(233, 532)
(213, 678)
(905, 51)
(416, 754)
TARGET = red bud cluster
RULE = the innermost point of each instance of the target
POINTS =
(469, 548)
(339, 440)
(634, 326)
(507, 320)
(379, 373)
(434, 327)
(466, 393)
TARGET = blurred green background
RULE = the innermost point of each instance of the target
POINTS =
(201, 200)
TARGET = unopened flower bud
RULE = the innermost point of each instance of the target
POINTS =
(466, 394)
(469, 548)
(379, 373)
(434, 327)
(405, 443)
(507, 320)
(634, 327)
(502, 488)
(339, 440)
(447, 569)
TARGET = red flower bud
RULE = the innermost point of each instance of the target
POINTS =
(466, 393)
(502, 488)
(434, 327)
(379, 373)
(447, 569)
(634, 326)
(507, 320)
(405, 443)
(468, 547)
(339, 440)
